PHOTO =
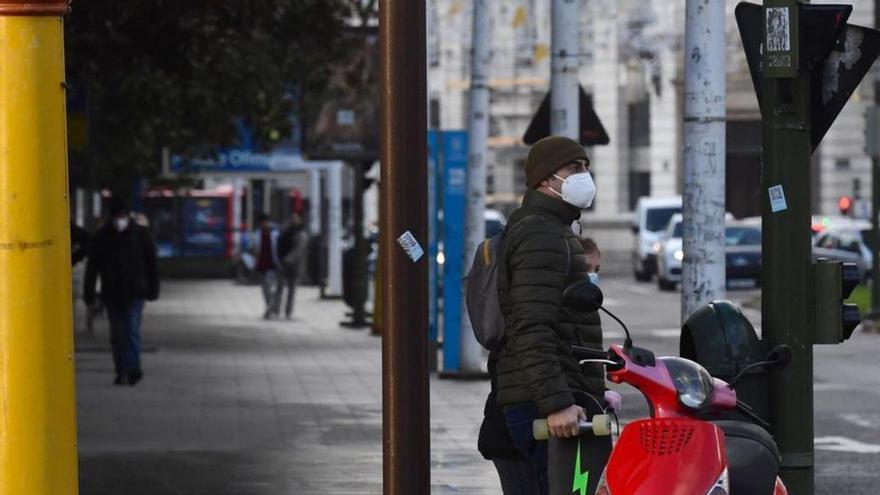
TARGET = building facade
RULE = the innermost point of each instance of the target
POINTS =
(632, 68)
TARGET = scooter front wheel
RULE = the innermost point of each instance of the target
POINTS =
(600, 426)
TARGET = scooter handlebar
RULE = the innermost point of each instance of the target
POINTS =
(581, 352)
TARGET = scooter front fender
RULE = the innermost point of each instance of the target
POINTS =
(672, 456)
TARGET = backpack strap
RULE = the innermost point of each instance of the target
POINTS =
(487, 252)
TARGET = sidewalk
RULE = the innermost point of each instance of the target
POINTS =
(233, 404)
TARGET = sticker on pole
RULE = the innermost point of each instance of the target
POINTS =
(777, 199)
(409, 244)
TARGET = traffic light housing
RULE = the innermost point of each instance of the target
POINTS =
(835, 320)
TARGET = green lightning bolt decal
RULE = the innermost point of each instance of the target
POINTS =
(580, 479)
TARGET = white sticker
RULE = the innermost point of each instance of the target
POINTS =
(409, 244)
(778, 30)
(777, 199)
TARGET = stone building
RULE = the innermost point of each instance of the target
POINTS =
(632, 64)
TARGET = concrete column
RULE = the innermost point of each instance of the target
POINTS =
(334, 230)
(315, 202)
(609, 162)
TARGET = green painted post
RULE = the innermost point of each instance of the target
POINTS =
(787, 294)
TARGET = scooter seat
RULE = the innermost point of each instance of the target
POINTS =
(752, 458)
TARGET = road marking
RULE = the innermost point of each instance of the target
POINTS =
(843, 444)
(645, 291)
(665, 333)
(857, 420)
(661, 333)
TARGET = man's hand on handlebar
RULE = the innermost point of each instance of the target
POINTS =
(564, 423)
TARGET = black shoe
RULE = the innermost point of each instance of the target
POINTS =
(135, 376)
(120, 379)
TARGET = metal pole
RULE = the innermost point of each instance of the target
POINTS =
(315, 202)
(406, 465)
(787, 280)
(236, 214)
(471, 355)
(359, 262)
(875, 237)
(703, 267)
(564, 97)
(38, 418)
(334, 230)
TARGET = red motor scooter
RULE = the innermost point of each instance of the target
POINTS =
(675, 451)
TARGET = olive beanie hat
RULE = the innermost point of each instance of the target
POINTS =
(548, 154)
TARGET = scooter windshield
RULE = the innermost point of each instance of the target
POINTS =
(693, 383)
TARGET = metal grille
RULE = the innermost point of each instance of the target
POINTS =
(665, 437)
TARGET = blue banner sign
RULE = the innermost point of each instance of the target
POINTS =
(452, 160)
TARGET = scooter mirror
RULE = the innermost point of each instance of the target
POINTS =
(583, 295)
(779, 356)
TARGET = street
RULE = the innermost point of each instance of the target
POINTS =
(232, 404)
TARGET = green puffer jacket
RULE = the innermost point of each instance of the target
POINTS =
(535, 362)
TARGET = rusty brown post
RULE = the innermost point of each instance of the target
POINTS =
(406, 466)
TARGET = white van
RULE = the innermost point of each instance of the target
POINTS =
(651, 218)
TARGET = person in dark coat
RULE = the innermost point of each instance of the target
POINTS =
(123, 254)
(291, 250)
(537, 376)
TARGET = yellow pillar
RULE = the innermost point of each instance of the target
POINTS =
(37, 401)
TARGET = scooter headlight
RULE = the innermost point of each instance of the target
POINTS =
(693, 383)
(722, 486)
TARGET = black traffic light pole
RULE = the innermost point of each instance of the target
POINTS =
(787, 285)
(800, 301)
(358, 261)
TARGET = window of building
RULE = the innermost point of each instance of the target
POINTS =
(640, 123)
(841, 164)
(434, 110)
(639, 185)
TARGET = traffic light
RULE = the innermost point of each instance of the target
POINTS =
(834, 283)
(844, 204)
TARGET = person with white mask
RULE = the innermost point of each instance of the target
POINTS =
(533, 375)
(124, 256)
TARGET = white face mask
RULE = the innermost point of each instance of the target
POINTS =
(594, 278)
(121, 224)
(577, 189)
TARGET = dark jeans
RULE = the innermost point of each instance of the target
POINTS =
(287, 280)
(125, 334)
(519, 422)
(517, 476)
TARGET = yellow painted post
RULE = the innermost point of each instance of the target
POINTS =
(37, 400)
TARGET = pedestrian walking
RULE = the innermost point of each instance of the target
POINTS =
(291, 250)
(123, 255)
(537, 377)
(265, 243)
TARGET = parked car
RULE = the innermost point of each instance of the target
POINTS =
(846, 243)
(742, 255)
(651, 219)
(670, 255)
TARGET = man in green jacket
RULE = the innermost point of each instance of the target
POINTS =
(541, 255)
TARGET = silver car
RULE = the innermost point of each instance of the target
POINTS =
(847, 244)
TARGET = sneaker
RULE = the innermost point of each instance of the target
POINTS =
(120, 379)
(135, 376)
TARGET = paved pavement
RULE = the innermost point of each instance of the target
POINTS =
(232, 404)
